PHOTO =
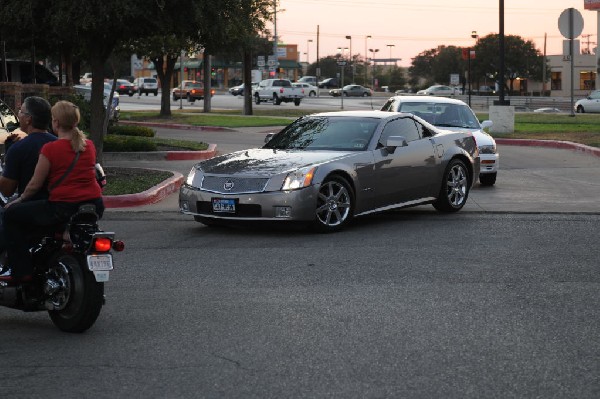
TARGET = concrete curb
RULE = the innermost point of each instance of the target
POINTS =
(565, 145)
(166, 125)
(150, 196)
(162, 155)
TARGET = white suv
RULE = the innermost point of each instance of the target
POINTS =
(146, 85)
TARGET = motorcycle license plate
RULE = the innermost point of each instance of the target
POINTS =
(223, 205)
(102, 262)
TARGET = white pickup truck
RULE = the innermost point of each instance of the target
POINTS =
(277, 91)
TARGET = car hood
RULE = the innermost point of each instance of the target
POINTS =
(267, 162)
(480, 135)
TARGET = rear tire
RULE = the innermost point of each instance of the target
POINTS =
(297, 102)
(455, 188)
(78, 302)
(276, 100)
(257, 99)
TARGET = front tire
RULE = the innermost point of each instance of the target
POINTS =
(297, 102)
(257, 99)
(335, 204)
(580, 109)
(77, 303)
(455, 188)
(487, 179)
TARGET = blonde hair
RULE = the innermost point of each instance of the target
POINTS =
(67, 115)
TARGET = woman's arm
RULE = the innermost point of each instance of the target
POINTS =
(42, 169)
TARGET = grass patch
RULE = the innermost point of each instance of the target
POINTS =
(132, 180)
(231, 120)
(583, 128)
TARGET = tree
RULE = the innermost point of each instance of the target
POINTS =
(435, 66)
(521, 59)
(173, 30)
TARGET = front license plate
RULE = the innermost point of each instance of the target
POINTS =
(221, 205)
(100, 262)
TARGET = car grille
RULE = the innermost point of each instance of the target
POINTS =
(241, 210)
(238, 185)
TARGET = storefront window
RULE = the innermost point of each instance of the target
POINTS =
(587, 80)
(556, 82)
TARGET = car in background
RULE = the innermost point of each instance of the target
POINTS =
(547, 110)
(589, 104)
(351, 91)
(328, 83)
(146, 85)
(191, 90)
(85, 78)
(457, 116)
(325, 169)
(86, 92)
(125, 87)
(239, 89)
(437, 90)
(309, 90)
(311, 80)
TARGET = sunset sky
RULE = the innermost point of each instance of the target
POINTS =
(414, 26)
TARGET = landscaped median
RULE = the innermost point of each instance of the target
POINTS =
(150, 196)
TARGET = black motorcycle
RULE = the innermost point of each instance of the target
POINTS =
(71, 263)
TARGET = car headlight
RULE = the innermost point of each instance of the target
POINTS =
(299, 178)
(190, 176)
(487, 149)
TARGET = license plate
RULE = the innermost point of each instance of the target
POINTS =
(100, 262)
(223, 205)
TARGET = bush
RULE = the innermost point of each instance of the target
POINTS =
(85, 109)
(115, 143)
(125, 130)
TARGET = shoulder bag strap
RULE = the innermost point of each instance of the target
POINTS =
(56, 183)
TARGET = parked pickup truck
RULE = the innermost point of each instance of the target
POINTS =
(190, 90)
(277, 91)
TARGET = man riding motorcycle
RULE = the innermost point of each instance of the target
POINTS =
(22, 155)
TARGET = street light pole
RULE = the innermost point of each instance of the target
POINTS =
(307, 50)
(474, 36)
(351, 63)
(373, 52)
(390, 69)
(366, 70)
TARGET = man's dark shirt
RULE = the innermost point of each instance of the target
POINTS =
(21, 159)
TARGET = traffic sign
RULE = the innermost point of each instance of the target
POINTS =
(570, 23)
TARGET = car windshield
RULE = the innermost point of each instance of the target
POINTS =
(441, 114)
(326, 133)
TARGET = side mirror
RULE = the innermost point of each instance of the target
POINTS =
(487, 123)
(269, 137)
(395, 141)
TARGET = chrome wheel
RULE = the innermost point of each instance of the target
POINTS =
(457, 185)
(334, 204)
(455, 188)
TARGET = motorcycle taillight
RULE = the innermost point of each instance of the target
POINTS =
(102, 244)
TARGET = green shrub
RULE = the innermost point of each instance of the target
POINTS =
(114, 143)
(85, 109)
(126, 130)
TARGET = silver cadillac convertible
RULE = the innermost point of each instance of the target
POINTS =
(327, 168)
